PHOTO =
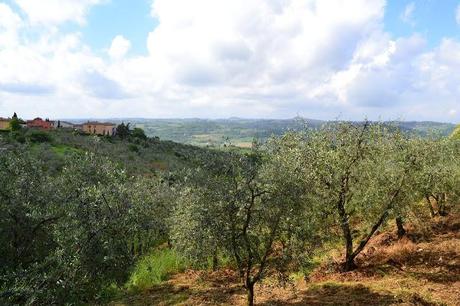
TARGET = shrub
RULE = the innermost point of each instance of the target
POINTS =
(133, 148)
(18, 136)
(139, 133)
(40, 137)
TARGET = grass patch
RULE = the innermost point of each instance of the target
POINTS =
(155, 268)
(62, 150)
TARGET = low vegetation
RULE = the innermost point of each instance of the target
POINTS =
(82, 215)
(155, 268)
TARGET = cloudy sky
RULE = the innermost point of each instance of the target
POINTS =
(324, 59)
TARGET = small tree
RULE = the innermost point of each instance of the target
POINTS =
(15, 124)
(139, 133)
(362, 172)
(123, 130)
(241, 210)
(439, 177)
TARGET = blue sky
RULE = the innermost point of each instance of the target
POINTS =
(129, 18)
(434, 19)
(395, 59)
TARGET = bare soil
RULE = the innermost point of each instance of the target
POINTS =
(421, 269)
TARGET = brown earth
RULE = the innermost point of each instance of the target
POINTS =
(421, 269)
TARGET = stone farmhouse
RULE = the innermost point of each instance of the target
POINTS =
(99, 128)
(4, 123)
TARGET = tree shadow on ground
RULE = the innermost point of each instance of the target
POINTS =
(447, 276)
(350, 295)
(169, 294)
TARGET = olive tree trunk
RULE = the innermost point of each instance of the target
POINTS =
(250, 293)
(400, 226)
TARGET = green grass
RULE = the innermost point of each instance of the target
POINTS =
(155, 268)
(62, 150)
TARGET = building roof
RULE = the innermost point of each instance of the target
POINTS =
(5, 119)
(40, 119)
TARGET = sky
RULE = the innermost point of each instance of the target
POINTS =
(322, 59)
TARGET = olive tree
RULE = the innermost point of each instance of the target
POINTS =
(438, 181)
(362, 172)
(153, 201)
(244, 207)
(66, 236)
(26, 212)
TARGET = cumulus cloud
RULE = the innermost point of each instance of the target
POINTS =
(254, 49)
(10, 23)
(119, 47)
(100, 86)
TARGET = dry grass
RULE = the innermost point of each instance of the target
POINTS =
(421, 269)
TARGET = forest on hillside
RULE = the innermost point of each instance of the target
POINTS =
(80, 215)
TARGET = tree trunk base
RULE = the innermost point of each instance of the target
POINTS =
(250, 292)
(400, 225)
(349, 265)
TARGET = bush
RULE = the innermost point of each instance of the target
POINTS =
(18, 136)
(139, 133)
(40, 137)
(133, 148)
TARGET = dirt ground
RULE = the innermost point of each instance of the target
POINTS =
(421, 269)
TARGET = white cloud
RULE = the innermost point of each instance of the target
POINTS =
(54, 12)
(254, 52)
(407, 15)
(120, 46)
(10, 23)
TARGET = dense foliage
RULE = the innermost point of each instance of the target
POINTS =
(67, 236)
(456, 133)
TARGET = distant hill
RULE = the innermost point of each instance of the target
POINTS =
(241, 132)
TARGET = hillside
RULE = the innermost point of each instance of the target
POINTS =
(241, 132)
(136, 155)
(421, 269)
(131, 220)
